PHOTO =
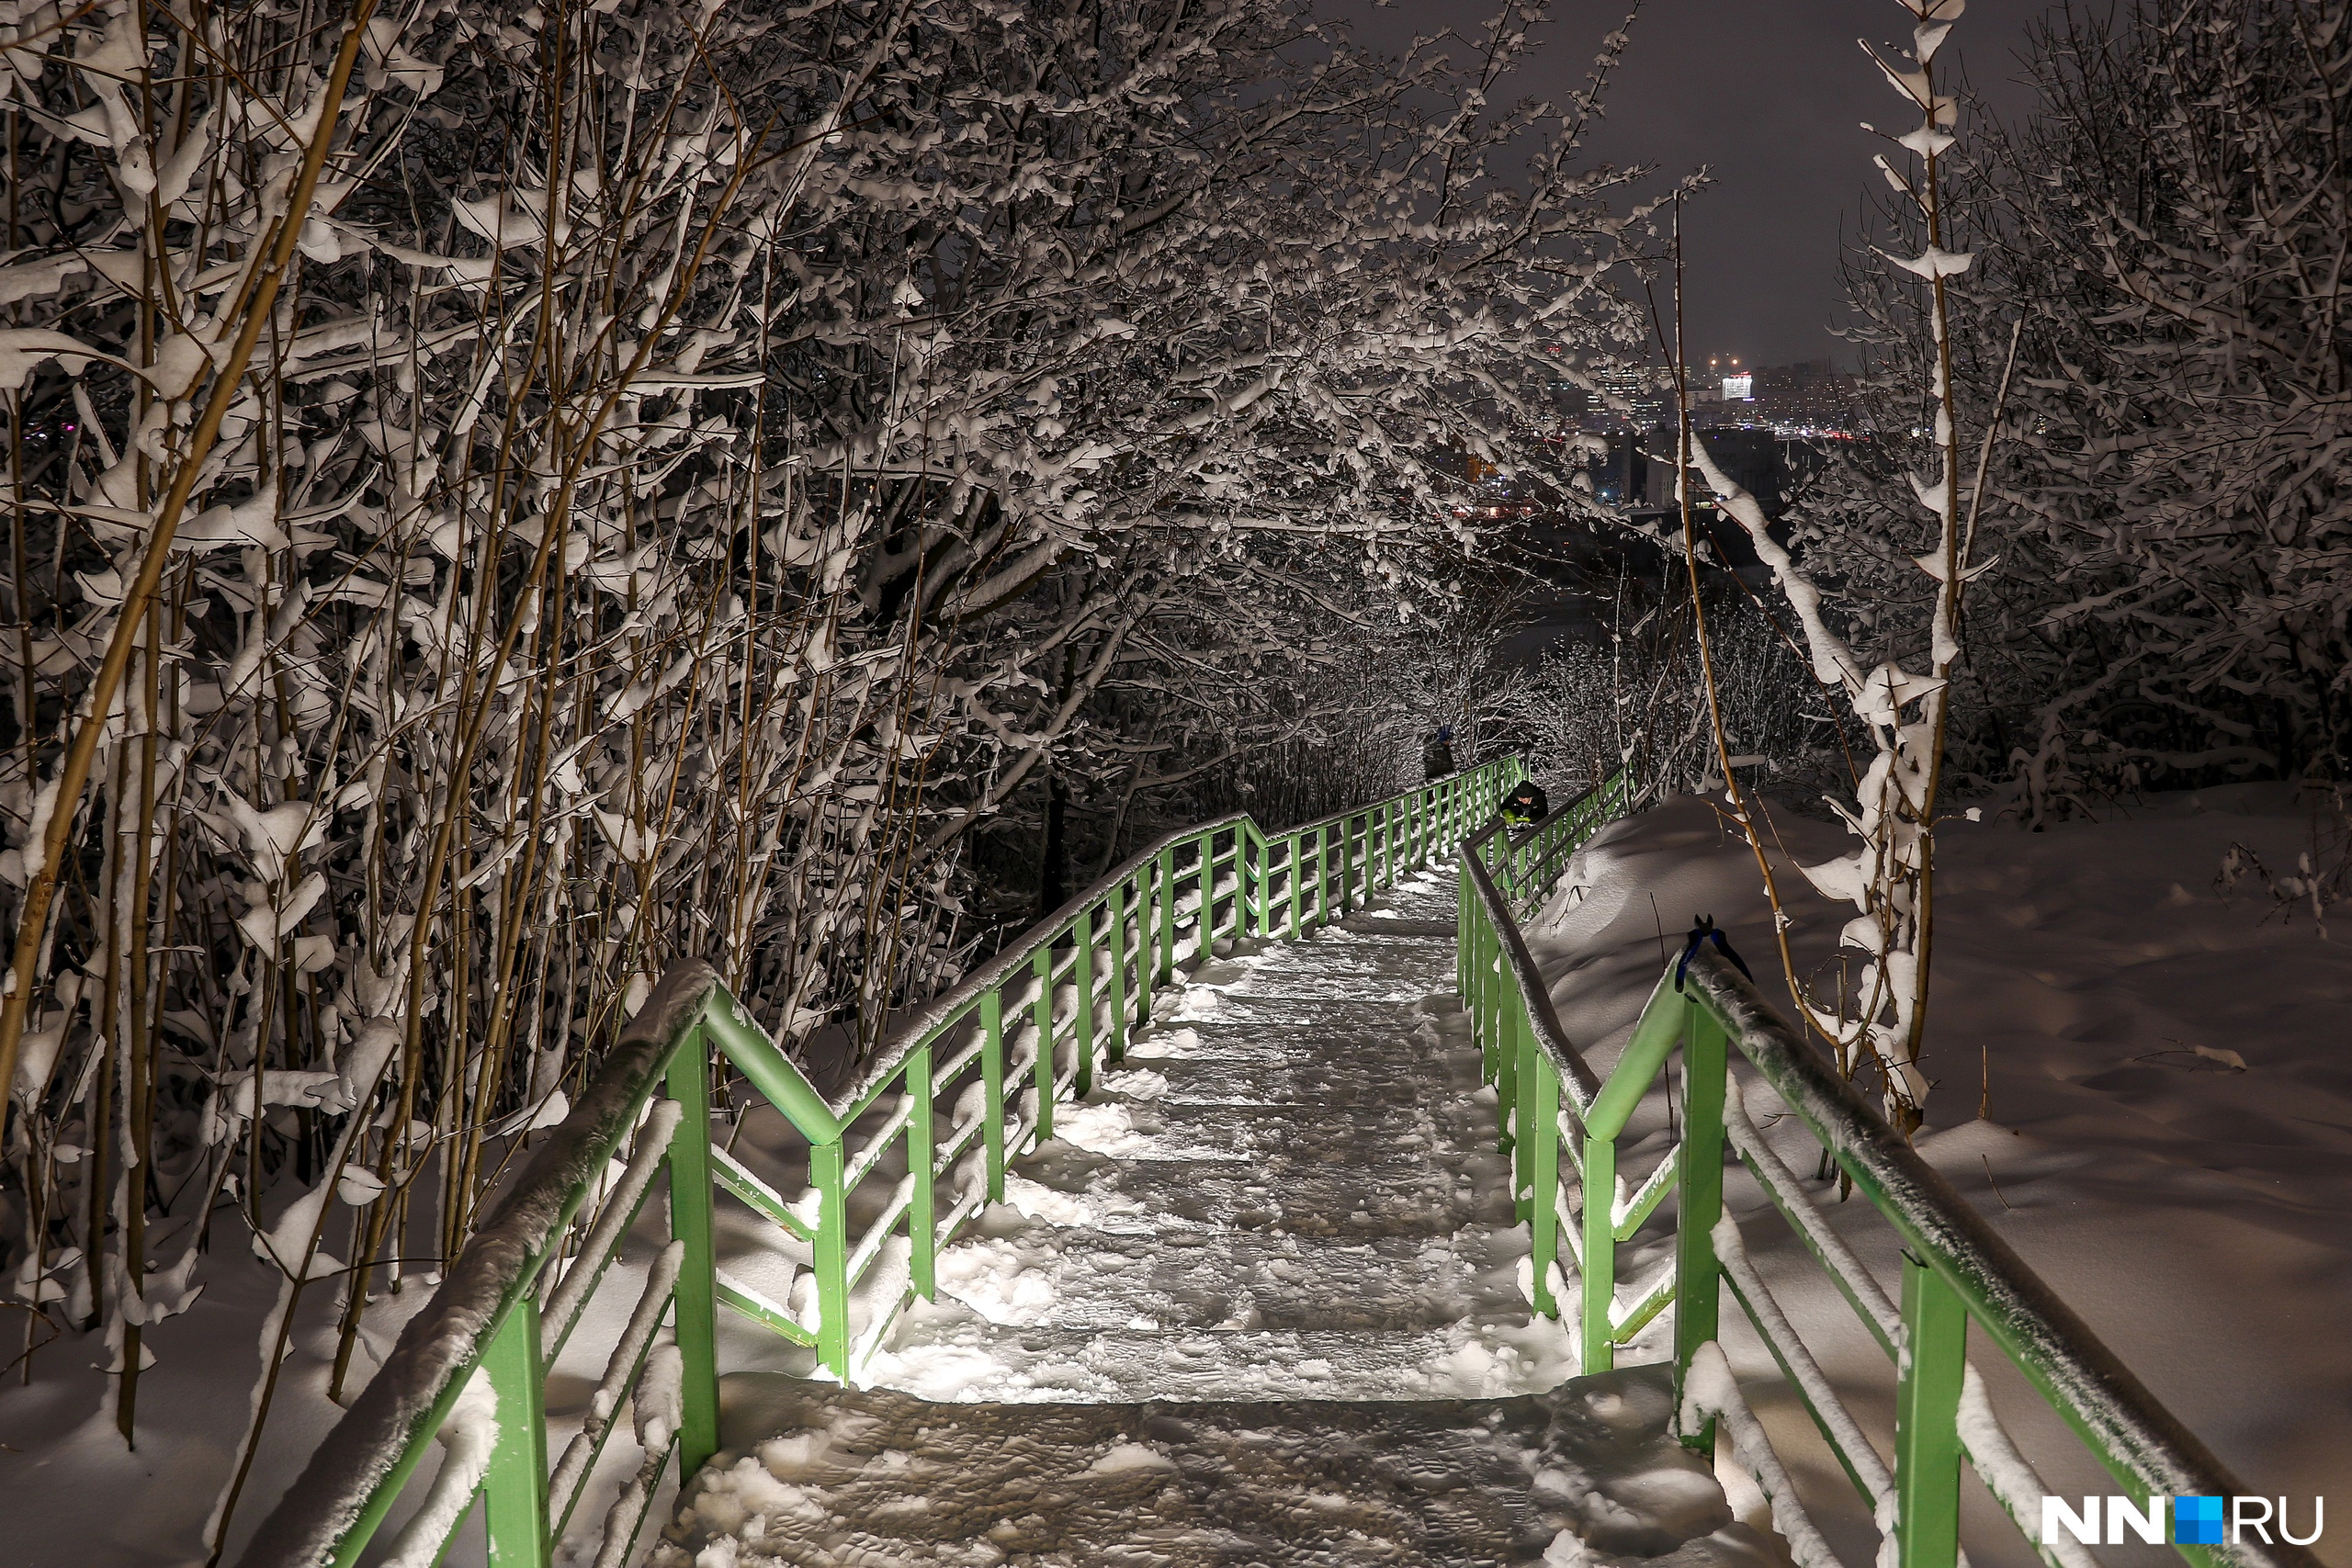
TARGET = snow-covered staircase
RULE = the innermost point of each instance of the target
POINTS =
(1262, 1300)
(1289, 1190)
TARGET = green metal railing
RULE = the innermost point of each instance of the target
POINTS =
(879, 1186)
(1562, 1124)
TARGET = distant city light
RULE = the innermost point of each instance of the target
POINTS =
(1739, 388)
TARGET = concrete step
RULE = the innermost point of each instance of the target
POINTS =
(1034, 1274)
(818, 1474)
(945, 1350)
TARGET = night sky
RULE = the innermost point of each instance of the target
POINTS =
(1769, 95)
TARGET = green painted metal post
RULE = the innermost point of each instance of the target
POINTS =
(1115, 904)
(1081, 1023)
(1698, 1200)
(515, 1483)
(1520, 1032)
(1041, 1015)
(696, 1298)
(1204, 928)
(1145, 962)
(1268, 925)
(827, 1173)
(1462, 929)
(1597, 1350)
(1168, 915)
(922, 1220)
(1926, 1419)
(1265, 881)
(1473, 995)
(1296, 890)
(992, 1087)
(1489, 945)
(1323, 876)
(1540, 1131)
(1502, 995)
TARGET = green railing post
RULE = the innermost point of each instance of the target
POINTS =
(1597, 1350)
(1541, 1137)
(1323, 876)
(1295, 890)
(515, 1483)
(922, 1224)
(1502, 995)
(1081, 1023)
(992, 1087)
(1699, 1203)
(1041, 1014)
(1268, 925)
(1145, 962)
(1265, 882)
(1464, 915)
(1490, 946)
(1204, 928)
(1168, 915)
(696, 1296)
(1926, 1419)
(1115, 904)
(830, 1245)
(1525, 1088)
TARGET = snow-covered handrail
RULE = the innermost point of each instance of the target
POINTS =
(1956, 1269)
(1529, 1058)
(1082, 978)
(483, 1318)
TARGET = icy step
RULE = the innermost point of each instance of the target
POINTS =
(1329, 1014)
(947, 1352)
(1364, 979)
(818, 1476)
(1243, 1078)
(1226, 1280)
(1402, 1043)
(1397, 1195)
(1282, 1136)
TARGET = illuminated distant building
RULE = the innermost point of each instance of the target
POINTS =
(1739, 388)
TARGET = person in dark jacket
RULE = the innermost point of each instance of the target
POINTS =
(1436, 753)
(1525, 804)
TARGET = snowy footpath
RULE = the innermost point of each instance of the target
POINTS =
(1260, 1301)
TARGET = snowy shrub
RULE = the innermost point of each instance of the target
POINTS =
(654, 478)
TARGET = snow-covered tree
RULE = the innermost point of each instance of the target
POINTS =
(1896, 688)
(2176, 217)
(499, 501)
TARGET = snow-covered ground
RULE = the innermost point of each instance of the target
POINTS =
(2089, 982)
(71, 1494)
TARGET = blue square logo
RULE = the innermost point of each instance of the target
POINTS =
(2197, 1521)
